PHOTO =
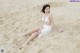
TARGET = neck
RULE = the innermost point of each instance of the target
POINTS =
(46, 14)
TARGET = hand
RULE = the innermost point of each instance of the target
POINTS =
(61, 30)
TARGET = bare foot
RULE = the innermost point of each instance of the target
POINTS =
(23, 46)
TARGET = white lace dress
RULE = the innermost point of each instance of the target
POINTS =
(46, 28)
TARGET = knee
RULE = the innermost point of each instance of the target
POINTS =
(35, 33)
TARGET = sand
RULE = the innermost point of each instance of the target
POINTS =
(17, 17)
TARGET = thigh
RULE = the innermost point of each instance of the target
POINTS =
(36, 30)
(35, 34)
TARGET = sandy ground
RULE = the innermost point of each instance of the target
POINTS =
(17, 17)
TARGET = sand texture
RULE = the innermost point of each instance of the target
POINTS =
(17, 17)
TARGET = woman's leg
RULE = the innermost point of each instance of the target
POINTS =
(34, 35)
(31, 32)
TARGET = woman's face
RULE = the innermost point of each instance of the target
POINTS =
(47, 10)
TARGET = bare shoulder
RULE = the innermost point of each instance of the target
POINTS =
(50, 15)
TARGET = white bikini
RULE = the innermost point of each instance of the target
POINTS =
(46, 28)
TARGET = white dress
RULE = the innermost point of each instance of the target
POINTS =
(46, 28)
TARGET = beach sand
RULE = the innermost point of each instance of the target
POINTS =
(17, 17)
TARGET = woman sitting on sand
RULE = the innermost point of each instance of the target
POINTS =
(46, 25)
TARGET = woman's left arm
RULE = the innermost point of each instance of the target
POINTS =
(51, 20)
(54, 26)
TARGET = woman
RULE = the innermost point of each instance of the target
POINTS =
(46, 25)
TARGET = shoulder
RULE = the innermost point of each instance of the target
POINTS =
(50, 15)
